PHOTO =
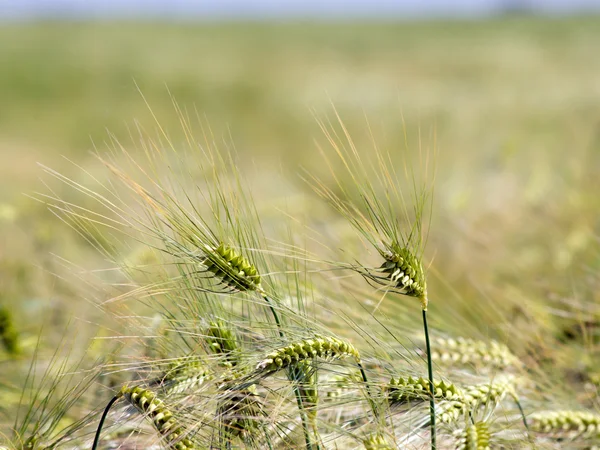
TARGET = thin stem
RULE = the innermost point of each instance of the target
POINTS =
(102, 419)
(294, 377)
(431, 388)
(267, 438)
(522, 412)
(275, 316)
(516, 399)
(471, 417)
(366, 381)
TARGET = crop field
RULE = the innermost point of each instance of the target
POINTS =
(319, 235)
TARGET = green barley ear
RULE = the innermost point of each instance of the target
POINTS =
(487, 394)
(376, 442)
(405, 272)
(461, 351)
(231, 269)
(222, 341)
(404, 390)
(326, 347)
(147, 403)
(407, 390)
(8, 333)
(239, 412)
(565, 424)
(475, 437)
(183, 375)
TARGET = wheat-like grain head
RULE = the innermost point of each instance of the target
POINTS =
(376, 442)
(147, 402)
(462, 351)
(326, 347)
(222, 341)
(230, 268)
(474, 437)
(404, 390)
(405, 271)
(407, 390)
(239, 411)
(489, 394)
(562, 424)
(184, 374)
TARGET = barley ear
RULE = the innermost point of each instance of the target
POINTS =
(450, 351)
(326, 347)
(148, 403)
(222, 341)
(563, 424)
(231, 269)
(475, 437)
(183, 374)
(376, 442)
(238, 412)
(405, 271)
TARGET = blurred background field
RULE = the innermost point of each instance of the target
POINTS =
(510, 103)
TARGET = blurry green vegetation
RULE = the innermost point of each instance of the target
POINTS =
(511, 105)
(483, 84)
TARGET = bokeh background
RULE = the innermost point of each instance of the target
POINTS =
(507, 91)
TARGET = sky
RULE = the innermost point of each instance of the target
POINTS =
(282, 8)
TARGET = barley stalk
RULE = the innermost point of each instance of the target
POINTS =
(456, 401)
(404, 390)
(296, 354)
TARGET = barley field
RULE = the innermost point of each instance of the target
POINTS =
(320, 235)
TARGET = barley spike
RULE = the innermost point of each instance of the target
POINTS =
(404, 390)
(183, 375)
(162, 418)
(326, 347)
(475, 437)
(405, 271)
(221, 340)
(231, 268)
(376, 442)
(565, 423)
(239, 411)
(463, 351)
